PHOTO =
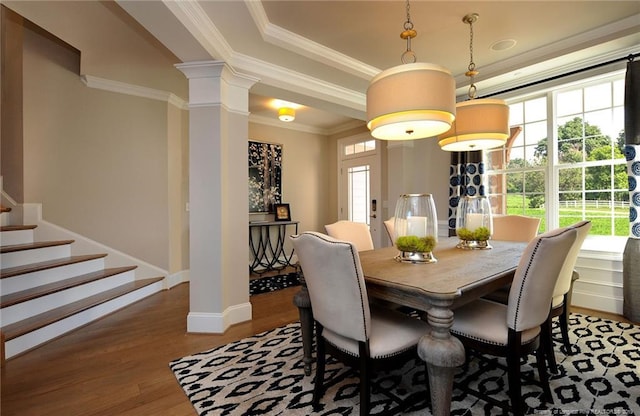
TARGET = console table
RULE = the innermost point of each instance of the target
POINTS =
(267, 245)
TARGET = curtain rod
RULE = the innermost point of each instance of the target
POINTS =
(629, 57)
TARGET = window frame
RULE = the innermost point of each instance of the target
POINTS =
(553, 167)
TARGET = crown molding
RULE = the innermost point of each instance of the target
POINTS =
(195, 19)
(197, 22)
(134, 90)
(286, 39)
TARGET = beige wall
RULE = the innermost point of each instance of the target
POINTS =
(308, 173)
(106, 165)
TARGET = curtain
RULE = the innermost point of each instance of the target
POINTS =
(466, 177)
(631, 255)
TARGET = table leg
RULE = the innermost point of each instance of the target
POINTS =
(303, 302)
(443, 353)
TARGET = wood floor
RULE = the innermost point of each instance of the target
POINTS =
(119, 364)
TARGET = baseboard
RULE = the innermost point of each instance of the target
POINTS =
(217, 323)
(176, 279)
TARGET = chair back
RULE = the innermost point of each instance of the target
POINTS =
(535, 278)
(389, 225)
(335, 281)
(354, 232)
(515, 228)
(566, 274)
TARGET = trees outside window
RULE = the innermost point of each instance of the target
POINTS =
(573, 173)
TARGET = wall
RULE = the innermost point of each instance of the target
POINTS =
(106, 165)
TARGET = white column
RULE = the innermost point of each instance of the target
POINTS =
(218, 196)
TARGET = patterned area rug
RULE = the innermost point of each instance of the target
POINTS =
(271, 283)
(263, 375)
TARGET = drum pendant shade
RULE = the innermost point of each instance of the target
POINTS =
(411, 101)
(480, 124)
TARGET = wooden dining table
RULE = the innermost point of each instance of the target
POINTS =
(458, 277)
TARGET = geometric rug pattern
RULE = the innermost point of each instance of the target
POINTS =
(271, 283)
(264, 375)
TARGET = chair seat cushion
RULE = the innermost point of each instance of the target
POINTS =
(392, 333)
(486, 321)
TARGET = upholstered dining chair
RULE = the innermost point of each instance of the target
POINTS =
(354, 232)
(513, 330)
(347, 327)
(515, 227)
(561, 300)
(512, 228)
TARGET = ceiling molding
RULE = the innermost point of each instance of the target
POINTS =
(134, 90)
(286, 39)
(197, 22)
(281, 77)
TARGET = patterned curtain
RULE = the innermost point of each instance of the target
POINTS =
(631, 255)
(466, 177)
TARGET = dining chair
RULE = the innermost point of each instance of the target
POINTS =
(515, 228)
(354, 232)
(561, 300)
(347, 326)
(389, 225)
(519, 228)
(513, 330)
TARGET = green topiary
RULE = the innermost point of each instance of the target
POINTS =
(415, 244)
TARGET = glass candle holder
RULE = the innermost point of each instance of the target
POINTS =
(474, 223)
(416, 228)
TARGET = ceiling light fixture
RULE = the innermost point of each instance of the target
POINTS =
(412, 100)
(286, 114)
(480, 123)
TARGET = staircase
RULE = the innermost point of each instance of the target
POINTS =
(46, 291)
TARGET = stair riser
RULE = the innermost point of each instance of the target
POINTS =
(42, 304)
(33, 339)
(8, 238)
(43, 277)
(20, 258)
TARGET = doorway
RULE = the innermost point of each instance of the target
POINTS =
(360, 195)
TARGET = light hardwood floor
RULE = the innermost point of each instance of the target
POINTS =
(119, 364)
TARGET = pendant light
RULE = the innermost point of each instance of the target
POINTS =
(412, 100)
(480, 123)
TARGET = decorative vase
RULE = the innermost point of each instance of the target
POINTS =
(474, 223)
(416, 228)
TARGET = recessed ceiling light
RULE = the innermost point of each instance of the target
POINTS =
(503, 45)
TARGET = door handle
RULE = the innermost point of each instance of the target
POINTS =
(373, 216)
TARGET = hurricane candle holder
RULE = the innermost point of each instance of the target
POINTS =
(474, 223)
(416, 228)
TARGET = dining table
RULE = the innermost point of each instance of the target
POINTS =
(457, 277)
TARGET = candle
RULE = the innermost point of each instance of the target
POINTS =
(417, 226)
(473, 221)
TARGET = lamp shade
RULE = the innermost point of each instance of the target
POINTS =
(286, 114)
(411, 101)
(480, 124)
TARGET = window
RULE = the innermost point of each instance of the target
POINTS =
(360, 147)
(565, 162)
